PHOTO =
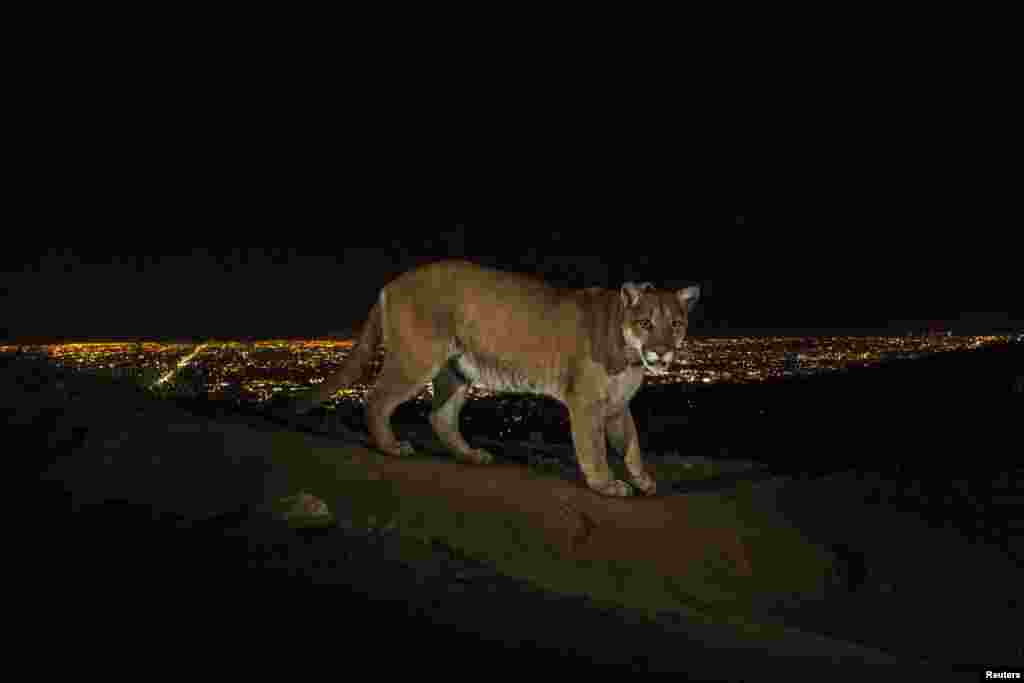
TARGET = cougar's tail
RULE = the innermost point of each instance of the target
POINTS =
(352, 369)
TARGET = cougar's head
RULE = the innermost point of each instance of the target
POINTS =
(654, 323)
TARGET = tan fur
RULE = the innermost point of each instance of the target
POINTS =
(453, 322)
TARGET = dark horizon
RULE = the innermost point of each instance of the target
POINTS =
(773, 287)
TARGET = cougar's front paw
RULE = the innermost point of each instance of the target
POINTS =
(615, 487)
(399, 449)
(646, 484)
(478, 456)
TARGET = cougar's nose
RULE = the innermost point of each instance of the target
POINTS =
(659, 360)
(661, 353)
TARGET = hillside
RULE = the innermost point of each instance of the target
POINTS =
(156, 501)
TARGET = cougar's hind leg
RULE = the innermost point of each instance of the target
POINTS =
(418, 346)
(399, 381)
(450, 391)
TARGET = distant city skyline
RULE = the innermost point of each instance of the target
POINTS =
(697, 331)
(262, 370)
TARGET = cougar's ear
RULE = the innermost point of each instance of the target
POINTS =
(631, 292)
(688, 297)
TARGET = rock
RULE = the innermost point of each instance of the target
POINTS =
(303, 510)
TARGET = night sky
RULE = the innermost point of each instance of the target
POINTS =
(758, 276)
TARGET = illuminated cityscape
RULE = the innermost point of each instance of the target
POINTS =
(258, 370)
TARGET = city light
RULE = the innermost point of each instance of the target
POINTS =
(182, 363)
(256, 371)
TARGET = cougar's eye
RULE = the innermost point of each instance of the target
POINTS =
(645, 324)
(677, 324)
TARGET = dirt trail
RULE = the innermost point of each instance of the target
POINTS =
(586, 525)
